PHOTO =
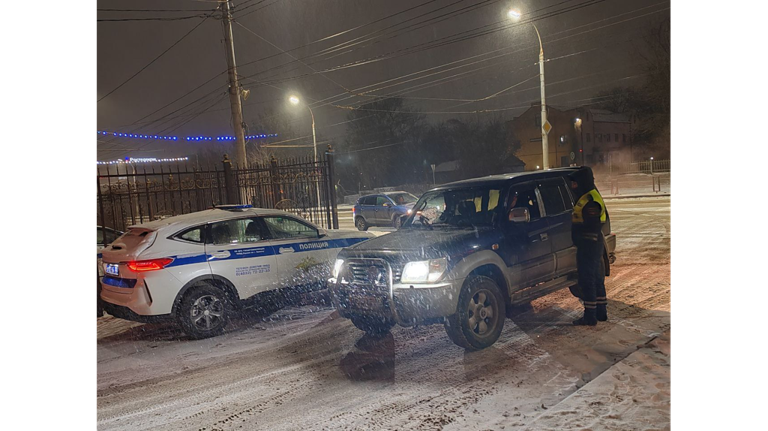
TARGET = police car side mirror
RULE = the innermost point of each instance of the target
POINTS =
(519, 215)
(322, 233)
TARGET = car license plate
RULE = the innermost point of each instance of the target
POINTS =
(111, 268)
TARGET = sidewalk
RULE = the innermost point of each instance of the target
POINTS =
(632, 394)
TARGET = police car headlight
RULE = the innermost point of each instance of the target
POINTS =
(337, 267)
(425, 271)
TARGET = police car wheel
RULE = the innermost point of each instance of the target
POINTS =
(361, 224)
(372, 325)
(204, 312)
(480, 314)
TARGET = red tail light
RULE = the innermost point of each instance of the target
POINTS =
(149, 265)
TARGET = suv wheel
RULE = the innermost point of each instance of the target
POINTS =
(361, 224)
(480, 316)
(204, 311)
(372, 325)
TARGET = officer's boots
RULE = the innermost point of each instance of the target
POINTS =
(601, 312)
(588, 319)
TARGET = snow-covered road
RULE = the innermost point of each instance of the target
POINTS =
(303, 368)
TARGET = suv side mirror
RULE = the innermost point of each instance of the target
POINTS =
(519, 215)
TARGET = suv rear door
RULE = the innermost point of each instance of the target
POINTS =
(558, 207)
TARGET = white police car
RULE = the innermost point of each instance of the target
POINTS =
(198, 268)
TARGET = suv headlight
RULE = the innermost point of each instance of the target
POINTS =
(337, 267)
(425, 271)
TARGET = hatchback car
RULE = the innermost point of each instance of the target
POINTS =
(385, 209)
(199, 268)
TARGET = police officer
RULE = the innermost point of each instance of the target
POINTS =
(588, 218)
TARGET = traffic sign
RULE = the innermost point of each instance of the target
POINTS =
(573, 155)
(546, 127)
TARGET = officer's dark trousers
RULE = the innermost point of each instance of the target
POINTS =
(589, 256)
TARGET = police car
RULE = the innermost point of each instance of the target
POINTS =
(198, 268)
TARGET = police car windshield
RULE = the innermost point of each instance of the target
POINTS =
(465, 207)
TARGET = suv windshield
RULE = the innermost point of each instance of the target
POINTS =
(456, 208)
(402, 198)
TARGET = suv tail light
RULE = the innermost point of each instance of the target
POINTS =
(149, 265)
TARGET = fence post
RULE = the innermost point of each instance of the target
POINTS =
(230, 182)
(332, 186)
(99, 306)
(274, 177)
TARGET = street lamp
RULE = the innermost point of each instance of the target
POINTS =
(515, 15)
(580, 135)
(295, 101)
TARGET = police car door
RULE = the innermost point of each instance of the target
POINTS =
(238, 251)
(302, 256)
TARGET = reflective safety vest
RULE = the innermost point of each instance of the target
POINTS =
(592, 195)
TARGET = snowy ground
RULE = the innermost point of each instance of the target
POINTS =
(304, 368)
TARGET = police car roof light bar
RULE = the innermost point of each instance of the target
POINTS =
(232, 207)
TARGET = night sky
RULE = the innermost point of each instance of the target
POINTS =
(591, 48)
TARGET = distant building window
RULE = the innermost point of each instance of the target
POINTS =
(623, 137)
(598, 137)
(607, 137)
(589, 137)
(616, 136)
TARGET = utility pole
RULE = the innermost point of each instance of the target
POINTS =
(234, 88)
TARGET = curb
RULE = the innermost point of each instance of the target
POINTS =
(655, 195)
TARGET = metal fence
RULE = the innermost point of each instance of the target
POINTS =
(130, 194)
(651, 166)
(629, 184)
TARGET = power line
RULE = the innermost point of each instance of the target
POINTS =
(310, 43)
(156, 58)
(178, 18)
(491, 52)
(346, 44)
(155, 10)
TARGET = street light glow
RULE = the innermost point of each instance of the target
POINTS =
(514, 14)
(295, 100)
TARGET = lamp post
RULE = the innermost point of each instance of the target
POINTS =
(577, 125)
(515, 15)
(295, 101)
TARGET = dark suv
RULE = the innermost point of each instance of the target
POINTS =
(469, 250)
(384, 209)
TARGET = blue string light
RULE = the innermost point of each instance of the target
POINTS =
(143, 160)
(188, 138)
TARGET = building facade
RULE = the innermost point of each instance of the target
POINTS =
(579, 136)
